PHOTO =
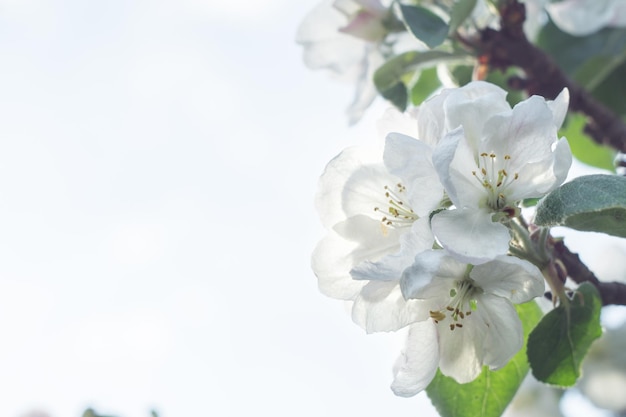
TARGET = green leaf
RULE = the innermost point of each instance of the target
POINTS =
(425, 25)
(592, 203)
(492, 391)
(559, 343)
(427, 83)
(461, 10)
(397, 95)
(585, 149)
(392, 71)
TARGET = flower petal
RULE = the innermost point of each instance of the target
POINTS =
(380, 307)
(390, 267)
(471, 106)
(461, 350)
(470, 235)
(410, 160)
(559, 107)
(526, 133)
(417, 365)
(331, 264)
(431, 276)
(352, 183)
(454, 161)
(504, 336)
(366, 91)
(511, 278)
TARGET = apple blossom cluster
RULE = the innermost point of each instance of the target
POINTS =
(419, 237)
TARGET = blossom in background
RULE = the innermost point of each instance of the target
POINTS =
(472, 322)
(492, 157)
(584, 17)
(346, 37)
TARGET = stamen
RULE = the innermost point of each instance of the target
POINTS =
(397, 214)
(461, 304)
(493, 175)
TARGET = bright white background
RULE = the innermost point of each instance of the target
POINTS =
(158, 160)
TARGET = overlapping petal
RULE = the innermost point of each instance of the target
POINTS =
(471, 308)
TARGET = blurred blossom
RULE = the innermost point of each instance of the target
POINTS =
(535, 399)
(351, 38)
(604, 371)
(584, 17)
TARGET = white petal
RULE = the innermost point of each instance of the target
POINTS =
(562, 162)
(366, 91)
(463, 191)
(395, 121)
(331, 263)
(390, 267)
(417, 365)
(464, 188)
(432, 275)
(380, 307)
(461, 350)
(410, 160)
(470, 235)
(559, 107)
(407, 157)
(373, 242)
(471, 106)
(326, 47)
(526, 133)
(504, 336)
(511, 278)
(352, 183)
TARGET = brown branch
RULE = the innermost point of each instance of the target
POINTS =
(509, 47)
(611, 292)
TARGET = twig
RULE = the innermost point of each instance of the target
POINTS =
(611, 292)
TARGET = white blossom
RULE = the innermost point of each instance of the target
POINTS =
(376, 208)
(584, 17)
(472, 322)
(489, 159)
(345, 36)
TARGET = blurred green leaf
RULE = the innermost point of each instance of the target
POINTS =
(389, 78)
(559, 343)
(461, 10)
(585, 149)
(592, 203)
(397, 95)
(392, 71)
(492, 391)
(424, 25)
(427, 83)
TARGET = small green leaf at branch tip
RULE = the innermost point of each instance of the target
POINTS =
(559, 343)
(424, 25)
(592, 203)
(490, 393)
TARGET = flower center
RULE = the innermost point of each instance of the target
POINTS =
(397, 213)
(492, 174)
(462, 303)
